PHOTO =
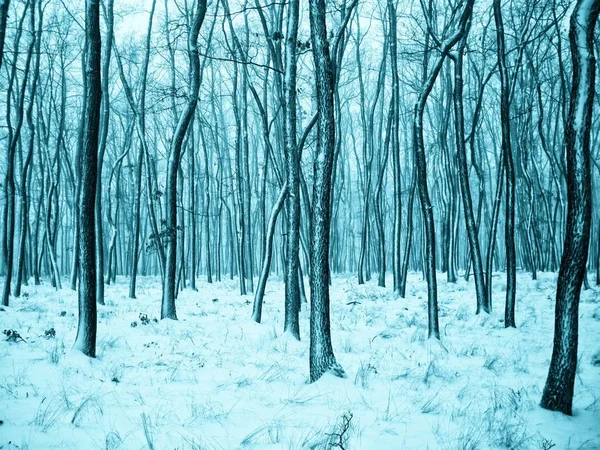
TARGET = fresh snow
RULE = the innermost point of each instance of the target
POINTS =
(216, 380)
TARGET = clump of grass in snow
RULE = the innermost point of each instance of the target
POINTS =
(391, 411)
(365, 372)
(492, 362)
(115, 373)
(208, 411)
(90, 409)
(432, 404)
(467, 435)
(309, 439)
(34, 307)
(148, 428)
(347, 346)
(418, 335)
(48, 414)
(433, 370)
(505, 427)
(275, 372)
(56, 351)
(107, 344)
(270, 433)
(462, 313)
(473, 349)
(113, 440)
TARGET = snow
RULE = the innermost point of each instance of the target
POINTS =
(216, 380)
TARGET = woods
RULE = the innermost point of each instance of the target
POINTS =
(304, 142)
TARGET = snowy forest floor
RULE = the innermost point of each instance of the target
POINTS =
(216, 380)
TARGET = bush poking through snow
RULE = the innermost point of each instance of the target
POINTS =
(596, 359)
(50, 333)
(144, 320)
(340, 436)
(13, 336)
(546, 444)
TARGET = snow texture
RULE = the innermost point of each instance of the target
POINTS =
(216, 380)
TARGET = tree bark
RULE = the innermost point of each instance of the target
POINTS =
(558, 391)
(168, 310)
(86, 330)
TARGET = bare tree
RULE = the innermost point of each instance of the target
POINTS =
(168, 301)
(322, 358)
(558, 391)
(86, 330)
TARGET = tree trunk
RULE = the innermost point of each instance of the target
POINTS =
(465, 189)
(321, 358)
(86, 330)
(168, 310)
(558, 391)
(509, 223)
(292, 286)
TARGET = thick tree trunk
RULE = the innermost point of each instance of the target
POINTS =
(86, 330)
(558, 391)
(321, 357)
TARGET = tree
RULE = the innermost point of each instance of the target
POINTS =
(509, 171)
(463, 174)
(24, 191)
(4, 5)
(421, 164)
(86, 330)
(322, 358)
(292, 284)
(14, 135)
(168, 310)
(558, 391)
(104, 122)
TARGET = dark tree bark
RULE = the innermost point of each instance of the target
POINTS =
(509, 172)
(463, 174)
(421, 168)
(24, 194)
(168, 310)
(104, 122)
(292, 154)
(395, 143)
(3, 17)
(86, 330)
(322, 358)
(558, 391)
(14, 136)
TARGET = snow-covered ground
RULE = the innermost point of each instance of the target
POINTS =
(216, 380)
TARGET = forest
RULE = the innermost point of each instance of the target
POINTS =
(286, 224)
